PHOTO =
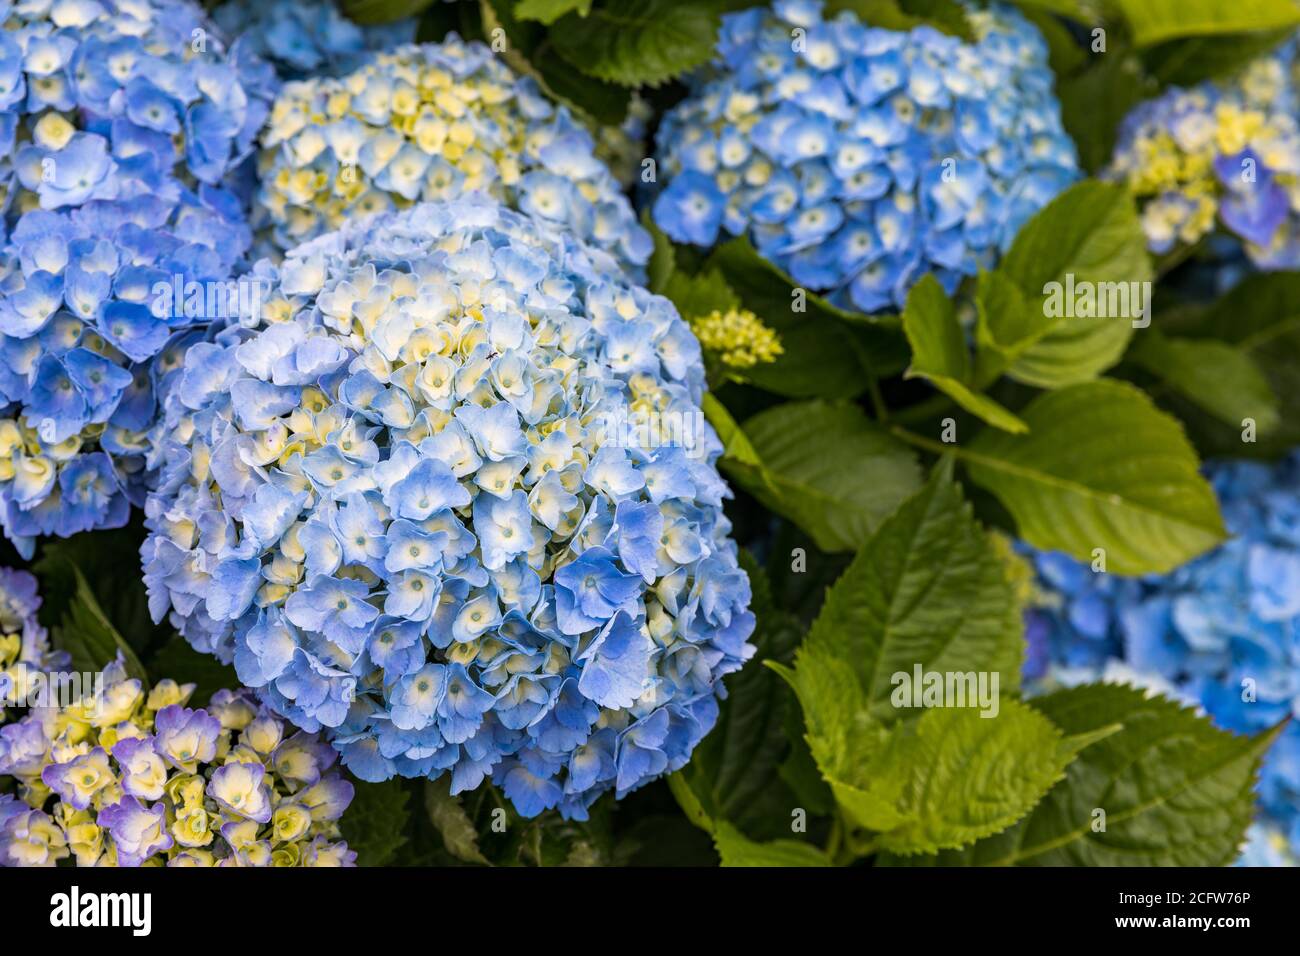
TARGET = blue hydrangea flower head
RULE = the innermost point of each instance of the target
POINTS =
(433, 122)
(128, 128)
(452, 499)
(1218, 633)
(302, 38)
(1225, 156)
(860, 159)
(129, 776)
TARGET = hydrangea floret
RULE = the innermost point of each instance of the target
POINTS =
(432, 122)
(133, 777)
(859, 159)
(451, 498)
(1224, 155)
(24, 644)
(125, 124)
(1219, 632)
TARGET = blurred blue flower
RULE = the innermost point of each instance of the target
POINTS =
(1218, 633)
(860, 159)
(1221, 160)
(302, 38)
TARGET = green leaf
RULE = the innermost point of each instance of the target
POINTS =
(375, 822)
(1072, 9)
(699, 295)
(1155, 20)
(638, 42)
(829, 352)
(1191, 61)
(945, 15)
(735, 772)
(738, 850)
(1175, 790)
(183, 664)
(85, 632)
(735, 444)
(531, 50)
(939, 353)
(826, 467)
(1102, 467)
(663, 258)
(1222, 379)
(111, 559)
(1088, 238)
(692, 803)
(1095, 100)
(371, 12)
(1064, 53)
(548, 11)
(1261, 317)
(928, 590)
(451, 820)
(953, 776)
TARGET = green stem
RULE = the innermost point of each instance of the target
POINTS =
(877, 400)
(923, 410)
(929, 444)
(836, 836)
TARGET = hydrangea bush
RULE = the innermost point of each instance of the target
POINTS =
(1223, 155)
(125, 125)
(433, 122)
(1219, 632)
(859, 159)
(434, 502)
(133, 777)
(420, 420)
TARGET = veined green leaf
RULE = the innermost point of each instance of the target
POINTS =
(451, 820)
(1169, 789)
(826, 467)
(736, 849)
(638, 42)
(548, 11)
(375, 824)
(939, 353)
(1086, 241)
(85, 631)
(1102, 467)
(928, 590)
(1156, 20)
(1222, 379)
